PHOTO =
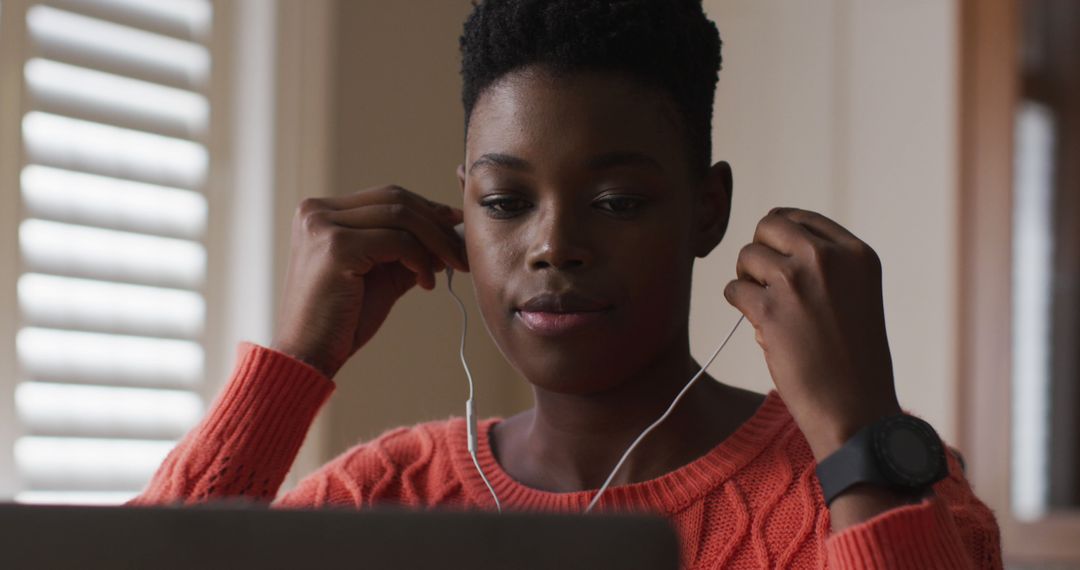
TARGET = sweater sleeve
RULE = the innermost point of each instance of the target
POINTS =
(249, 438)
(952, 529)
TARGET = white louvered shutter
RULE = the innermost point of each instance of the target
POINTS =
(110, 346)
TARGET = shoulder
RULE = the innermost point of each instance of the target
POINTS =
(411, 465)
(400, 447)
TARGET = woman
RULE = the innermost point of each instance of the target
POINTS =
(588, 192)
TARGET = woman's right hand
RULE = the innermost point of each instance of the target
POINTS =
(352, 258)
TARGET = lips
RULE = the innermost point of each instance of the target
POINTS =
(565, 302)
(552, 314)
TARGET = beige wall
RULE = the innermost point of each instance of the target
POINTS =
(398, 120)
(848, 108)
(839, 106)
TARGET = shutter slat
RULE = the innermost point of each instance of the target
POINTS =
(89, 42)
(97, 62)
(182, 20)
(97, 464)
(95, 148)
(105, 411)
(88, 498)
(112, 203)
(109, 255)
(115, 100)
(160, 382)
(71, 356)
(99, 306)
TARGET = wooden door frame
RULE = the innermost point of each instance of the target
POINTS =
(988, 94)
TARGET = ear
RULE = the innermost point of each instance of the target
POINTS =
(461, 176)
(714, 197)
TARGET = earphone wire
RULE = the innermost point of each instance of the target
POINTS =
(470, 410)
(600, 493)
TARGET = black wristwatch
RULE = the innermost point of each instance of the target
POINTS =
(900, 452)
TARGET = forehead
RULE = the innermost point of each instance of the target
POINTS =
(557, 120)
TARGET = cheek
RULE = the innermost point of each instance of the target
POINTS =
(491, 267)
(655, 264)
(658, 280)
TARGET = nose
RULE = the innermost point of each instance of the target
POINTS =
(559, 242)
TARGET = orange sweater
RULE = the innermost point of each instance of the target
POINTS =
(751, 502)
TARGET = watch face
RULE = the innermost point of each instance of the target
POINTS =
(910, 452)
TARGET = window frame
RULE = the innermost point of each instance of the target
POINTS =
(989, 94)
(12, 101)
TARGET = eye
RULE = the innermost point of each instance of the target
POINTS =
(620, 204)
(504, 206)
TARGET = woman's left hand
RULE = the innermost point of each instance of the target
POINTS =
(812, 291)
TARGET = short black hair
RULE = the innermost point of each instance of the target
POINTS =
(669, 44)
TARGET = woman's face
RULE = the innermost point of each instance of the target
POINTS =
(579, 187)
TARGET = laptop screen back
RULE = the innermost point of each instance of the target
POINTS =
(237, 536)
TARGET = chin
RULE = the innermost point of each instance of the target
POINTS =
(571, 382)
(572, 370)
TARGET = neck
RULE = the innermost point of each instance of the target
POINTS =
(574, 441)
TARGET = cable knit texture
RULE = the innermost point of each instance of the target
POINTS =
(753, 501)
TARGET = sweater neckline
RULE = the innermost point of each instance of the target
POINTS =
(668, 493)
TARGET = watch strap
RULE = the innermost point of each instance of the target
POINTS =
(855, 462)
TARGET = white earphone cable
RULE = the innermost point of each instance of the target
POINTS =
(470, 410)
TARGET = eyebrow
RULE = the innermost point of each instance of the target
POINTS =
(598, 162)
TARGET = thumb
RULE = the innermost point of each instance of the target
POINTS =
(748, 297)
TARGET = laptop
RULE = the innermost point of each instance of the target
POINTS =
(234, 536)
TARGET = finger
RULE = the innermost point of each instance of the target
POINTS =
(367, 247)
(441, 215)
(748, 297)
(412, 255)
(760, 263)
(446, 245)
(819, 224)
(783, 234)
(438, 212)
